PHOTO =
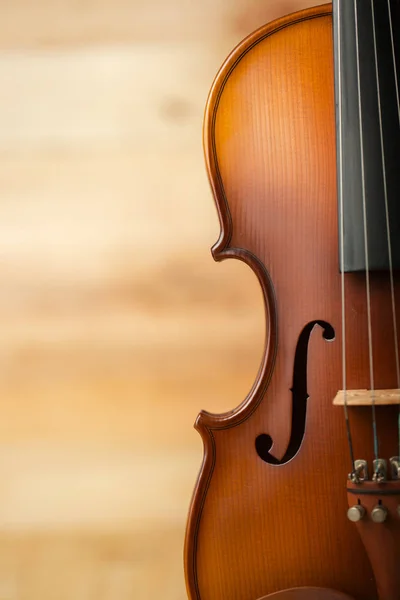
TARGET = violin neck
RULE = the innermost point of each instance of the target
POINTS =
(367, 75)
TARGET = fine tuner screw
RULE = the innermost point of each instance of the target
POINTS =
(379, 514)
(360, 472)
(356, 513)
(379, 476)
(380, 470)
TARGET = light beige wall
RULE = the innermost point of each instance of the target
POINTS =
(116, 327)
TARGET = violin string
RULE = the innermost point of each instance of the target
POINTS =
(367, 274)
(340, 190)
(394, 58)
(391, 267)
(394, 315)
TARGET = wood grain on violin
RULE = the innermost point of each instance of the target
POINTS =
(269, 512)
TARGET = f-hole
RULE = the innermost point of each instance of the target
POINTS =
(300, 396)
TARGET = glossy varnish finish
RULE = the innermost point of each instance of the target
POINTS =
(254, 528)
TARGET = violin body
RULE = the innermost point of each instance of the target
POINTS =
(269, 512)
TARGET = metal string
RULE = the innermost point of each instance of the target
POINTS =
(367, 277)
(394, 58)
(396, 347)
(390, 255)
(340, 190)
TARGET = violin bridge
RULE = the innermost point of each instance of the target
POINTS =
(367, 397)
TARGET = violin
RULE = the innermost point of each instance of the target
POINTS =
(298, 496)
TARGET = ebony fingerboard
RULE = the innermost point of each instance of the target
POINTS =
(367, 74)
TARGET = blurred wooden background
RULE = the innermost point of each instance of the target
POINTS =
(116, 325)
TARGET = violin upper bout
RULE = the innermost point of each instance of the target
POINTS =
(249, 156)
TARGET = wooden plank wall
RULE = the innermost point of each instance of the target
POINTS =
(116, 325)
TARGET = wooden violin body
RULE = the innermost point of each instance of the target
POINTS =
(269, 512)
